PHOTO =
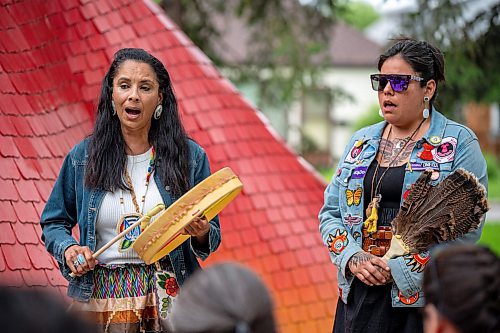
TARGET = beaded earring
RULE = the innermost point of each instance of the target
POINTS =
(158, 111)
(426, 112)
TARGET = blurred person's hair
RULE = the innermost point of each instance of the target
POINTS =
(25, 310)
(463, 283)
(223, 298)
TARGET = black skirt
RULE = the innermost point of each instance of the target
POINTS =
(369, 310)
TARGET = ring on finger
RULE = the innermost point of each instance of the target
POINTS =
(80, 258)
(76, 263)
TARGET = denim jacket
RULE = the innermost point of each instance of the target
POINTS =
(449, 146)
(72, 203)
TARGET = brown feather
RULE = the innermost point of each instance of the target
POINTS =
(434, 214)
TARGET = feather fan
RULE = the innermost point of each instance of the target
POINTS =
(435, 214)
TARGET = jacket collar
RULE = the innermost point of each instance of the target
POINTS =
(378, 129)
(436, 128)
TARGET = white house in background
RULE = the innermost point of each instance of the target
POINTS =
(316, 117)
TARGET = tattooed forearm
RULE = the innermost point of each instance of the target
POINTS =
(359, 258)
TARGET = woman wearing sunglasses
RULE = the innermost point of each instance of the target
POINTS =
(375, 174)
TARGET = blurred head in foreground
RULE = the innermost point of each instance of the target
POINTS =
(462, 289)
(223, 298)
(31, 310)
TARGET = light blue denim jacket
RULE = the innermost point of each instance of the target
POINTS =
(341, 220)
(71, 202)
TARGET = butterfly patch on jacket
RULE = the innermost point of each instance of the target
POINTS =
(353, 196)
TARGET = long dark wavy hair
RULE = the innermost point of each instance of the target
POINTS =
(106, 151)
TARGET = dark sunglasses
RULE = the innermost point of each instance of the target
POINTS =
(399, 82)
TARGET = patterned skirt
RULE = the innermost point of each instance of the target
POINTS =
(125, 299)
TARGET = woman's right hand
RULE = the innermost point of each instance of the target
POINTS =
(370, 269)
(79, 259)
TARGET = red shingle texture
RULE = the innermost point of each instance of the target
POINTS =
(53, 56)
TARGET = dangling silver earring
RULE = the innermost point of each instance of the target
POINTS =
(158, 112)
(426, 112)
(113, 112)
(380, 113)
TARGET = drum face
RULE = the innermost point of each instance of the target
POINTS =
(206, 199)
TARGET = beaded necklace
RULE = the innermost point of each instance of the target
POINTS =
(375, 196)
(127, 219)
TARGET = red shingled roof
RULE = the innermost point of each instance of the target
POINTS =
(53, 56)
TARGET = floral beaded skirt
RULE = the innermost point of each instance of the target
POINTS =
(129, 298)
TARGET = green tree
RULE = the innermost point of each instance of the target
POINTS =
(368, 118)
(289, 38)
(358, 14)
(471, 46)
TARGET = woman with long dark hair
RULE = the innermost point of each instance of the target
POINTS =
(137, 156)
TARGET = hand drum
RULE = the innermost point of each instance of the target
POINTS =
(206, 199)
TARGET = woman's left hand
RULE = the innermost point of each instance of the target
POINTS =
(369, 269)
(198, 228)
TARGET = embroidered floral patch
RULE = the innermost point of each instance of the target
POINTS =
(338, 243)
(167, 289)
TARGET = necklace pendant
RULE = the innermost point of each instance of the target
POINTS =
(126, 220)
(369, 208)
(374, 203)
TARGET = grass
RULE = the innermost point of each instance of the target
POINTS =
(494, 188)
(491, 236)
(327, 173)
